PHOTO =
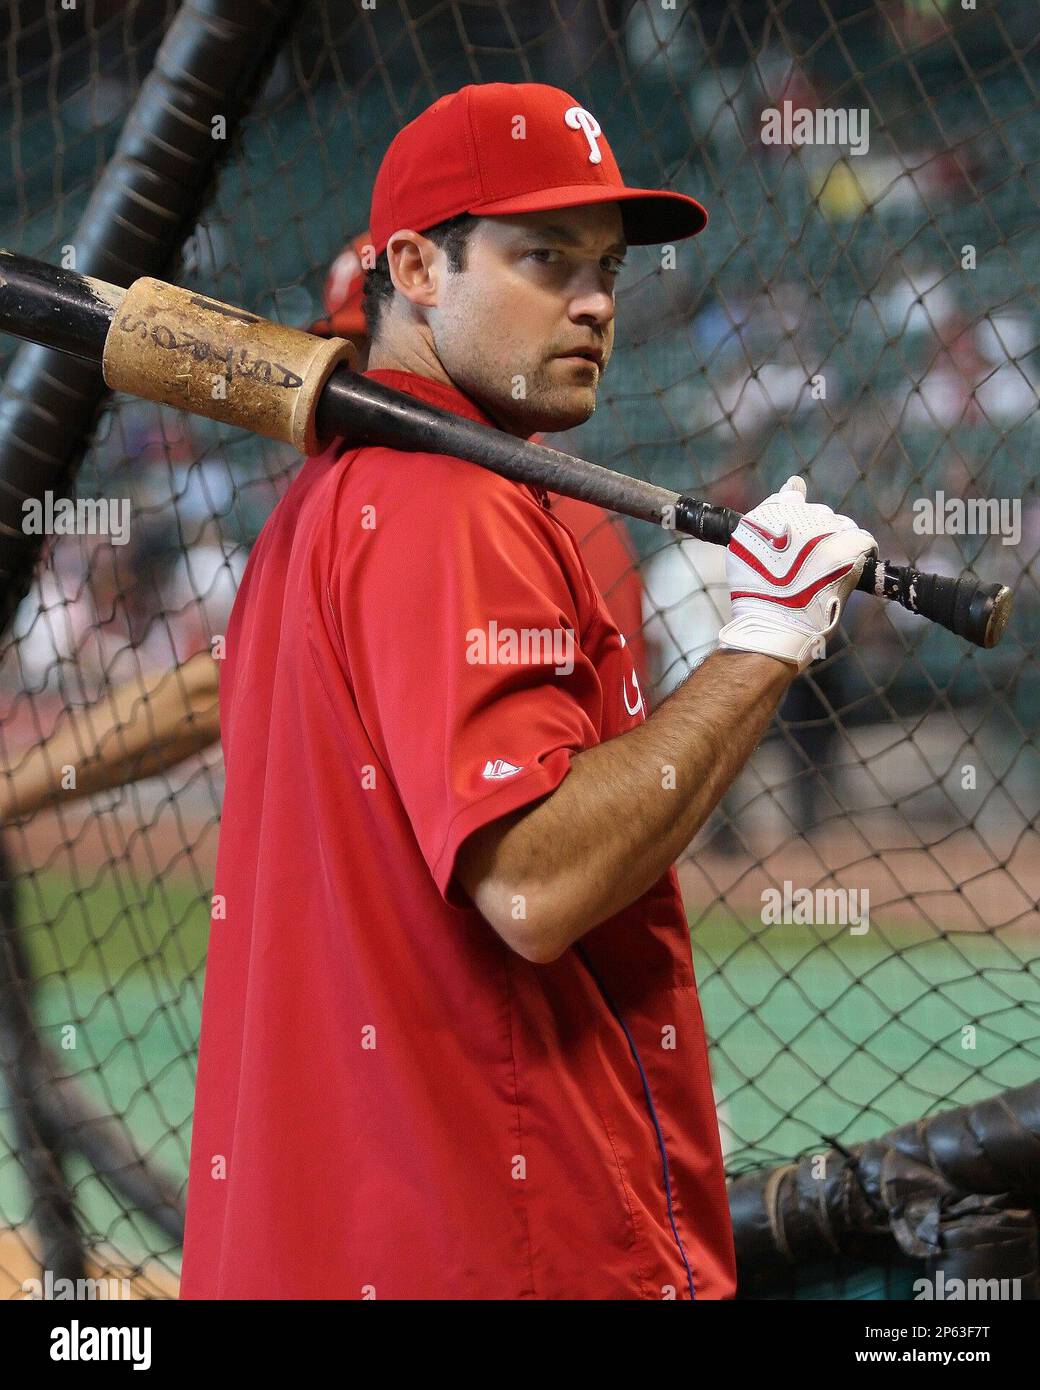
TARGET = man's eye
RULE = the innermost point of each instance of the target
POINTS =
(542, 254)
(614, 265)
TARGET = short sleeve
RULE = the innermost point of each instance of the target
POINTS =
(463, 618)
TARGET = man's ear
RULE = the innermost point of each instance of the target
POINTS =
(414, 267)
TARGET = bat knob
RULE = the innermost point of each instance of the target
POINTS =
(992, 606)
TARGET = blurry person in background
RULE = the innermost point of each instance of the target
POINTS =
(686, 602)
(810, 716)
(342, 298)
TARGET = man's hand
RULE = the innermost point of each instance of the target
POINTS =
(791, 565)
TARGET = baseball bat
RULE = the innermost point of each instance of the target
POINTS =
(167, 344)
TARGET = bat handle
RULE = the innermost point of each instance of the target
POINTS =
(967, 606)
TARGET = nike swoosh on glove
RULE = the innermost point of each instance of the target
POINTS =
(790, 565)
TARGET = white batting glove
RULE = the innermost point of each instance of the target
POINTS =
(790, 566)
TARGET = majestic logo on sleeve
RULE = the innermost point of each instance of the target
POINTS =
(580, 119)
(495, 771)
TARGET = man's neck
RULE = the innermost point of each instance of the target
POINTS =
(422, 361)
(418, 357)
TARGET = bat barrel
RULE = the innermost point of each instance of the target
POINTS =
(59, 309)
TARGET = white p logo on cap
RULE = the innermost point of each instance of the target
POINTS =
(580, 119)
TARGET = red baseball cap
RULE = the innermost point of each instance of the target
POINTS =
(502, 147)
(343, 293)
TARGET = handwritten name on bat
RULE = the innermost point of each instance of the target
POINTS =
(233, 361)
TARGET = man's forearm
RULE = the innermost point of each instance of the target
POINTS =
(136, 730)
(629, 807)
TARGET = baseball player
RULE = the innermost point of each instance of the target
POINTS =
(451, 1044)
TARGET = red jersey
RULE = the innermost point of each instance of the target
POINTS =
(391, 1103)
(611, 558)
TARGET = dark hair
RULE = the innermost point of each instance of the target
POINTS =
(451, 236)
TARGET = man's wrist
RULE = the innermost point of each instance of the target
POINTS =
(755, 632)
(759, 666)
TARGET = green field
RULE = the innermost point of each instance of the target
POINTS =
(814, 1032)
(123, 965)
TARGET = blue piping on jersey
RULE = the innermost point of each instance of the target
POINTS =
(653, 1115)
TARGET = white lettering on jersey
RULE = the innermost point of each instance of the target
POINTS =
(632, 709)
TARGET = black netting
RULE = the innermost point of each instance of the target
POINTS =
(867, 320)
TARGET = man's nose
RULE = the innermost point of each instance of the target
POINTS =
(592, 304)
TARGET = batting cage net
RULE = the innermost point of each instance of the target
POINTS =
(862, 311)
